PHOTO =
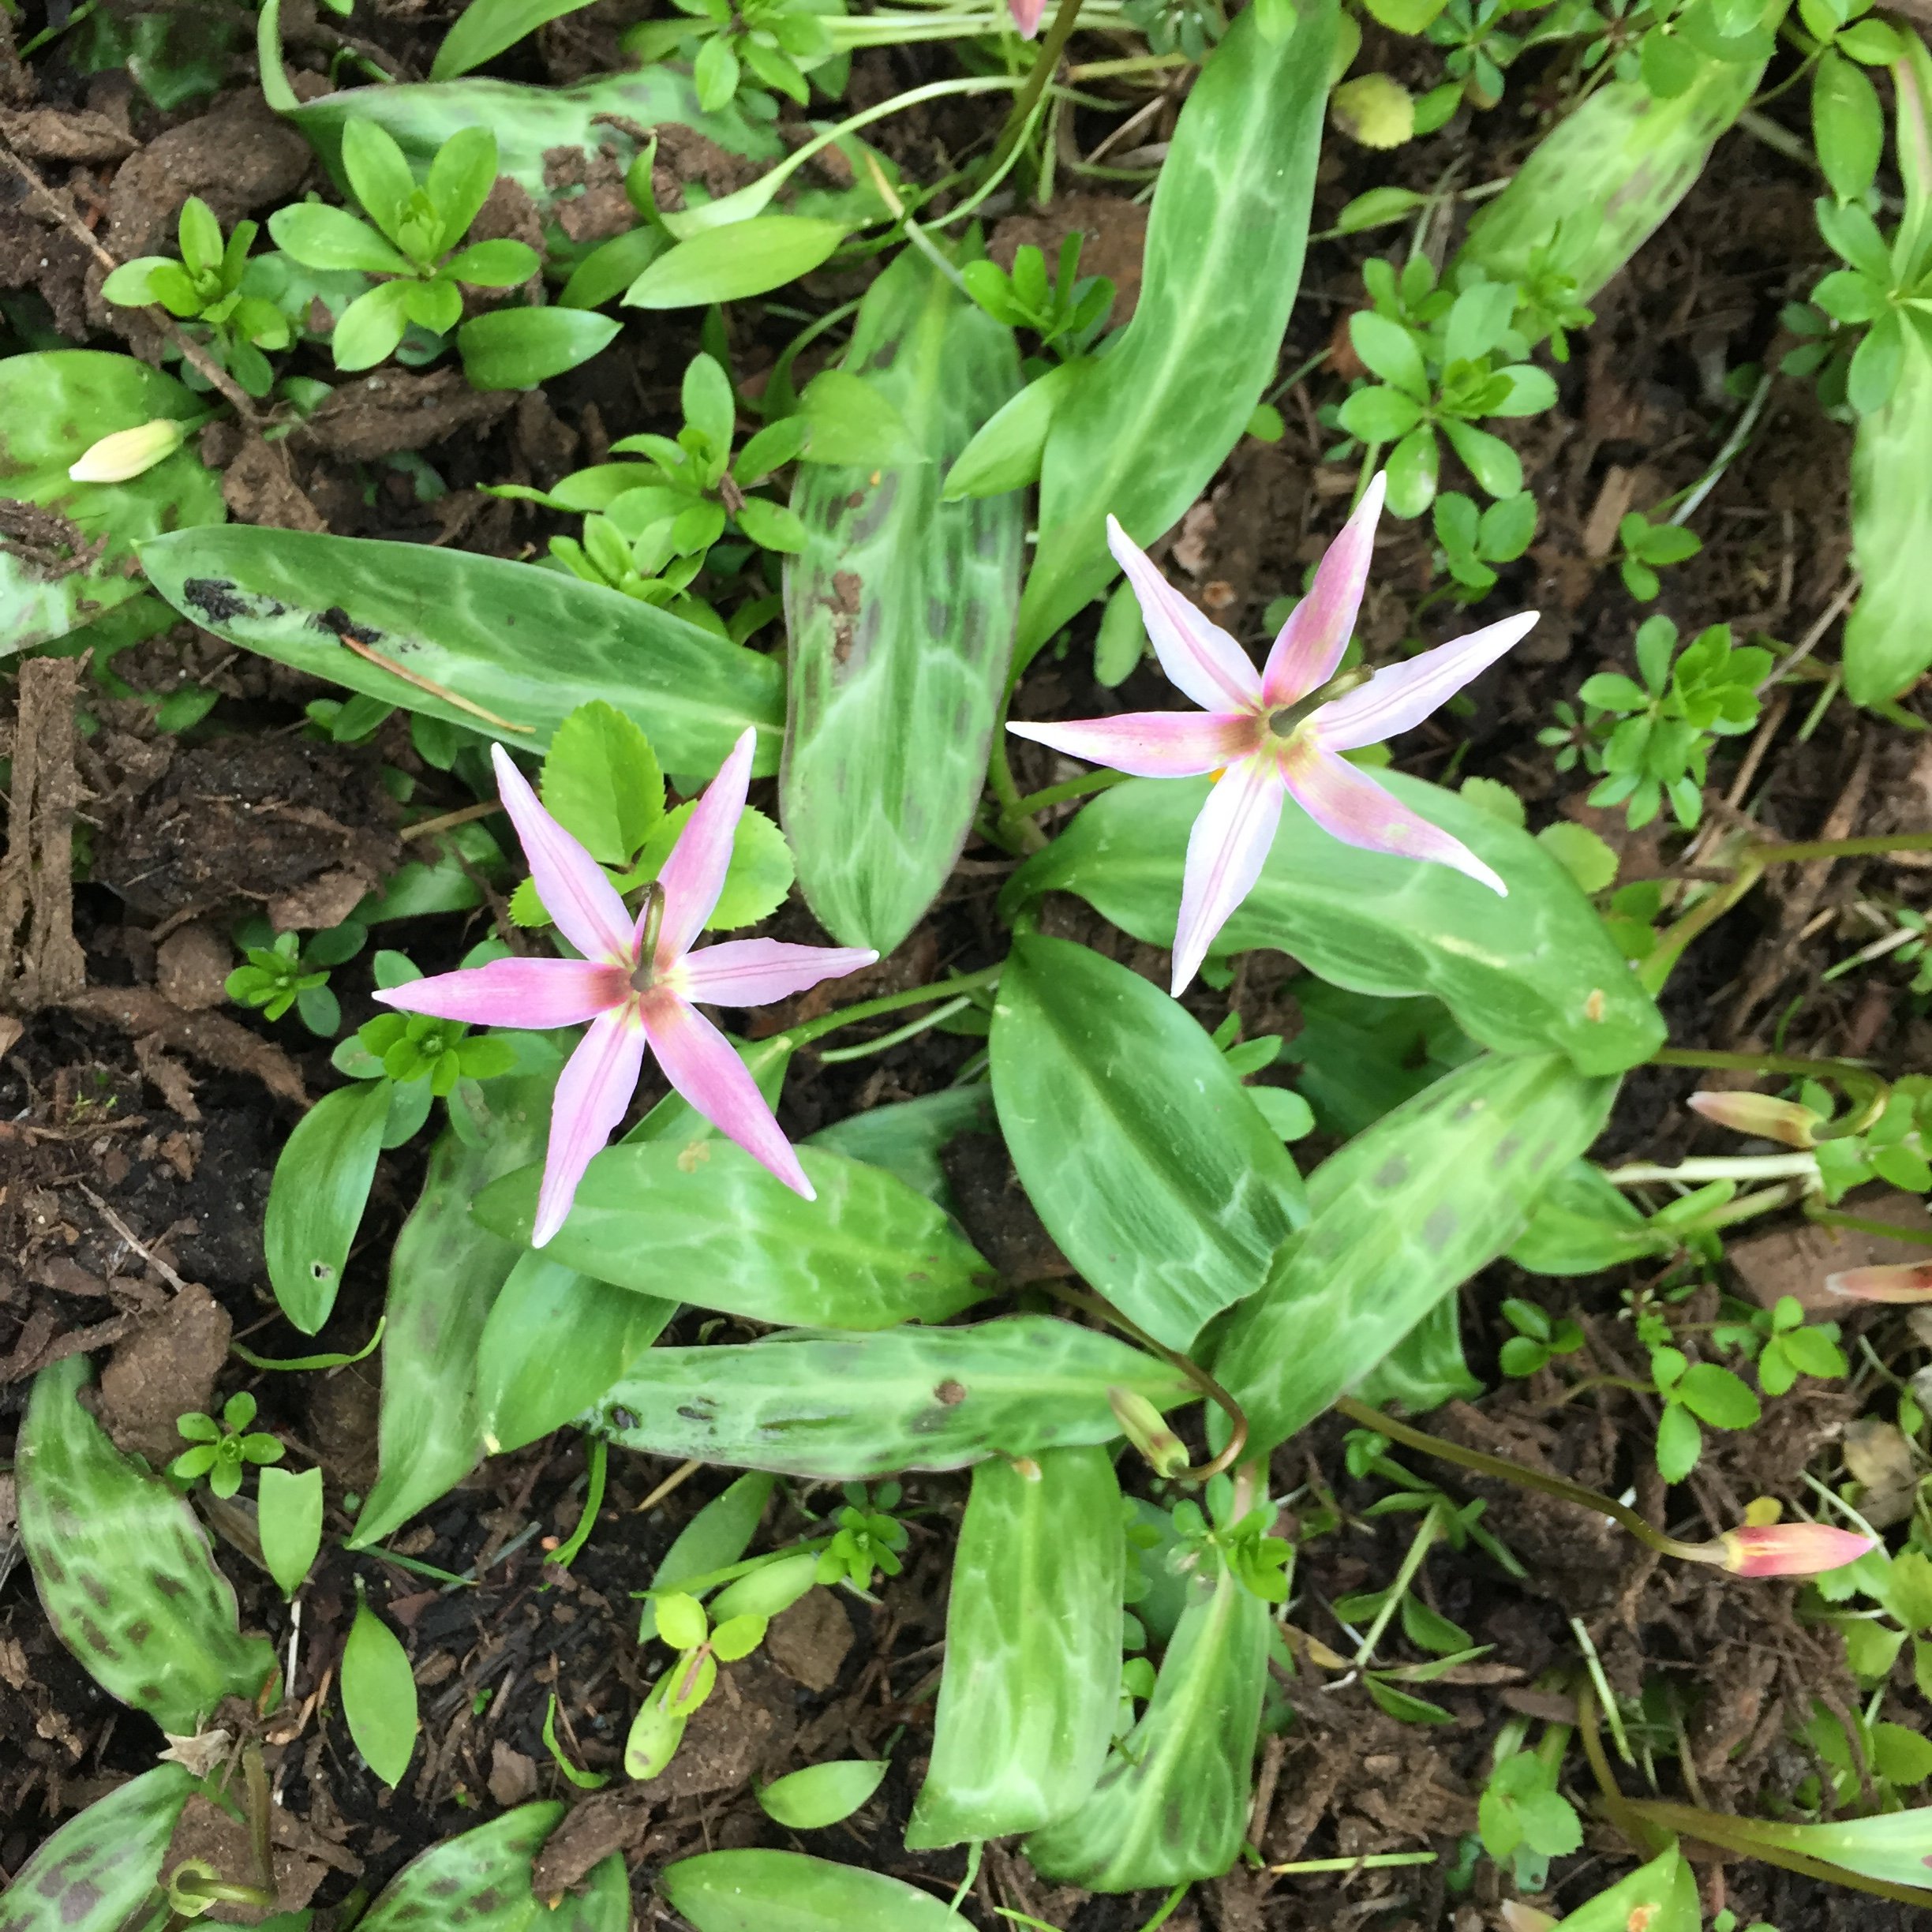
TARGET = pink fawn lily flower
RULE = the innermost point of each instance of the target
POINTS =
(1898, 1281)
(1026, 16)
(1785, 1549)
(1762, 1115)
(635, 985)
(1281, 733)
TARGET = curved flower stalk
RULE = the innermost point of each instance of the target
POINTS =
(1280, 733)
(635, 985)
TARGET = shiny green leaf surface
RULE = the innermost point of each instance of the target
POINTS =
(316, 1199)
(288, 1518)
(726, 265)
(379, 1696)
(480, 1879)
(519, 348)
(1888, 642)
(1402, 1216)
(1582, 1224)
(554, 1341)
(98, 1869)
(485, 27)
(1425, 1368)
(445, 1273)
(787, 1892)
(710, 1225)
(1182, 1192)
(54, 406)
(525, 646)
(861, 1405)
(822, 1794)
(1031, 1686)
(1532, 973)
(1141, 435)
(124, 1568)
(1661, 1897)
(900, 616)
(1173, 1805)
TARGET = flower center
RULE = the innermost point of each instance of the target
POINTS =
(645, 975)
(1284, 721)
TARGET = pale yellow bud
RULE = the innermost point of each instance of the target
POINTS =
(128, 453)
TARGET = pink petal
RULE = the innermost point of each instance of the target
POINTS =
(1400, 695)
(1349, 806)
(1312, 642)
(534, 993)
(1891, 1281)
(753, 972)
(1790, 1549)
(1153, 744)
(592, 1093)
(694, 875)
(1026, 16)
(698, 1061)
(1199, 657)
(569, 882)
(1226, 851)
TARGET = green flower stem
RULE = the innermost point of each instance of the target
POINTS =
(1044, 62)
(833, 1056)
(256, 1775)
(1867, 1224)
(293, 1363)
(1505, 1471)
(1695, 1173)
(1035, 803)
(1024, 836)
(804, 1034)
(594, 1501)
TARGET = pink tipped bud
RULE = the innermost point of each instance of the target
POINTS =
(1758, 1114)
(1026, 16)
(1787, 1549)
(1904, 1281)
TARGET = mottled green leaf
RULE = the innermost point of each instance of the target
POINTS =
(124, 1568)
(445, 1272)
(861, 1405)
(1530, 973)
(54, 406)
(822, 1794)
(1402, 1216)
(1173, 1805)
(900, 614)
(1031, 1686)
(526, 646)
(787, 1892)
(1182, 1191)
(710, 1225)
(379, 1696)
(480, 1879)
(1425, 1368)
(100, 1867)
(321, 1185)
(1142, 435)
(906, 1136)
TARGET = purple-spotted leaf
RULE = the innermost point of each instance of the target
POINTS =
(98, 1868)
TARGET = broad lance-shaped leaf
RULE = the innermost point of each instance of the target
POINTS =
(1173, 1805)
(1601, 182)
(1144, 432)
(516, 648)
(320, 1186)
(787, 1892)
(1532, 973)
(1425, 1368)
(480, 1879)
(906, 1398)
(1404, 1214)
(906, 1137)
(708, 1225)
(1661, 1897)
(1032, 1686)
(445, 1272)
(1180, 1192)
(100, 1867)
(900, 614)
(1888, 642)
(124, 1568)
(54, 406)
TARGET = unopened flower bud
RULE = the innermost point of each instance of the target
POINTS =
(1759, 1114)
(1787, 1549)
(1902, 1280)
(1026, 16)
(1141, 1424)
(128, 452)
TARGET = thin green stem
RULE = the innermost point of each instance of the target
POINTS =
(1025, 836)
(292, 1363)
(1168, 1906)
(1044, 62)
(1427, 1532)
(1035, 803)
(594, 1501)
(1867, 1224)
(1505, 1471)
(1696, 1172)
(1374, 1861)
(1593, 1664)
(899, 1035)
(809, 1030)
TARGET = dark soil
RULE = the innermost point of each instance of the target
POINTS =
(141, 1113)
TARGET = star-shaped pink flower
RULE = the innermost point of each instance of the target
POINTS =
(1280, 733)
(635, 985)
